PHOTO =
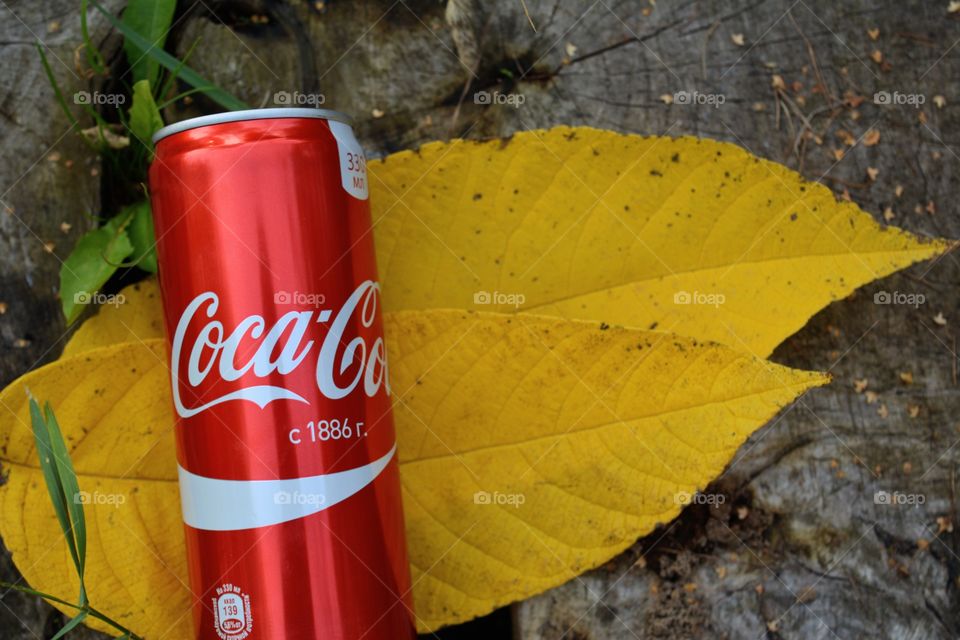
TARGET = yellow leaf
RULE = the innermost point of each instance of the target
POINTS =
(139, 318)
(601, 226)
(580, 439)
(134, 315)
(583, 439)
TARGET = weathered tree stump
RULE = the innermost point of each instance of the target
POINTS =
(800, 547)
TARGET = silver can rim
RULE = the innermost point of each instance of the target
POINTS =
(250, 114)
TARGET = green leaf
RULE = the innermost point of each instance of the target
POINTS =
(150, 19)
(92, 262)
(67, 628)
(166, 60)
(145, 118)
(141, 236)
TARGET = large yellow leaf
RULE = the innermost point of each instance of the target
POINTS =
(597, 225)
(596, 431)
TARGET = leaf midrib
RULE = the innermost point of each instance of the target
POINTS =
(799, 385)
(684, 272)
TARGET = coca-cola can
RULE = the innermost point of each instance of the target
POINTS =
(288, 471)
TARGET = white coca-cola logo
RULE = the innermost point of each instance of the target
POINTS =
(214, 352)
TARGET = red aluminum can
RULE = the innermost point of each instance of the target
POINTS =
(285, 440)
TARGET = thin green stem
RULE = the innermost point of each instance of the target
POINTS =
(94, 57)
(87, 608)
(172, 74)
(162, 106)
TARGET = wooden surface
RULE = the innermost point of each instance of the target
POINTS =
(800, 548)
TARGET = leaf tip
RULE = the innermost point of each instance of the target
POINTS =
(820, 379)
(807, 380)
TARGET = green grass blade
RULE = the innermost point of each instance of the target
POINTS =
(68, 480)
(172, 75)
(55, 85)
(94, 57)
(170, 63)
(67, 628)
(179, 96)
(41, 435)
(92, 612)
(61, 100)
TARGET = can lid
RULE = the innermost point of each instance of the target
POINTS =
(249, 114)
